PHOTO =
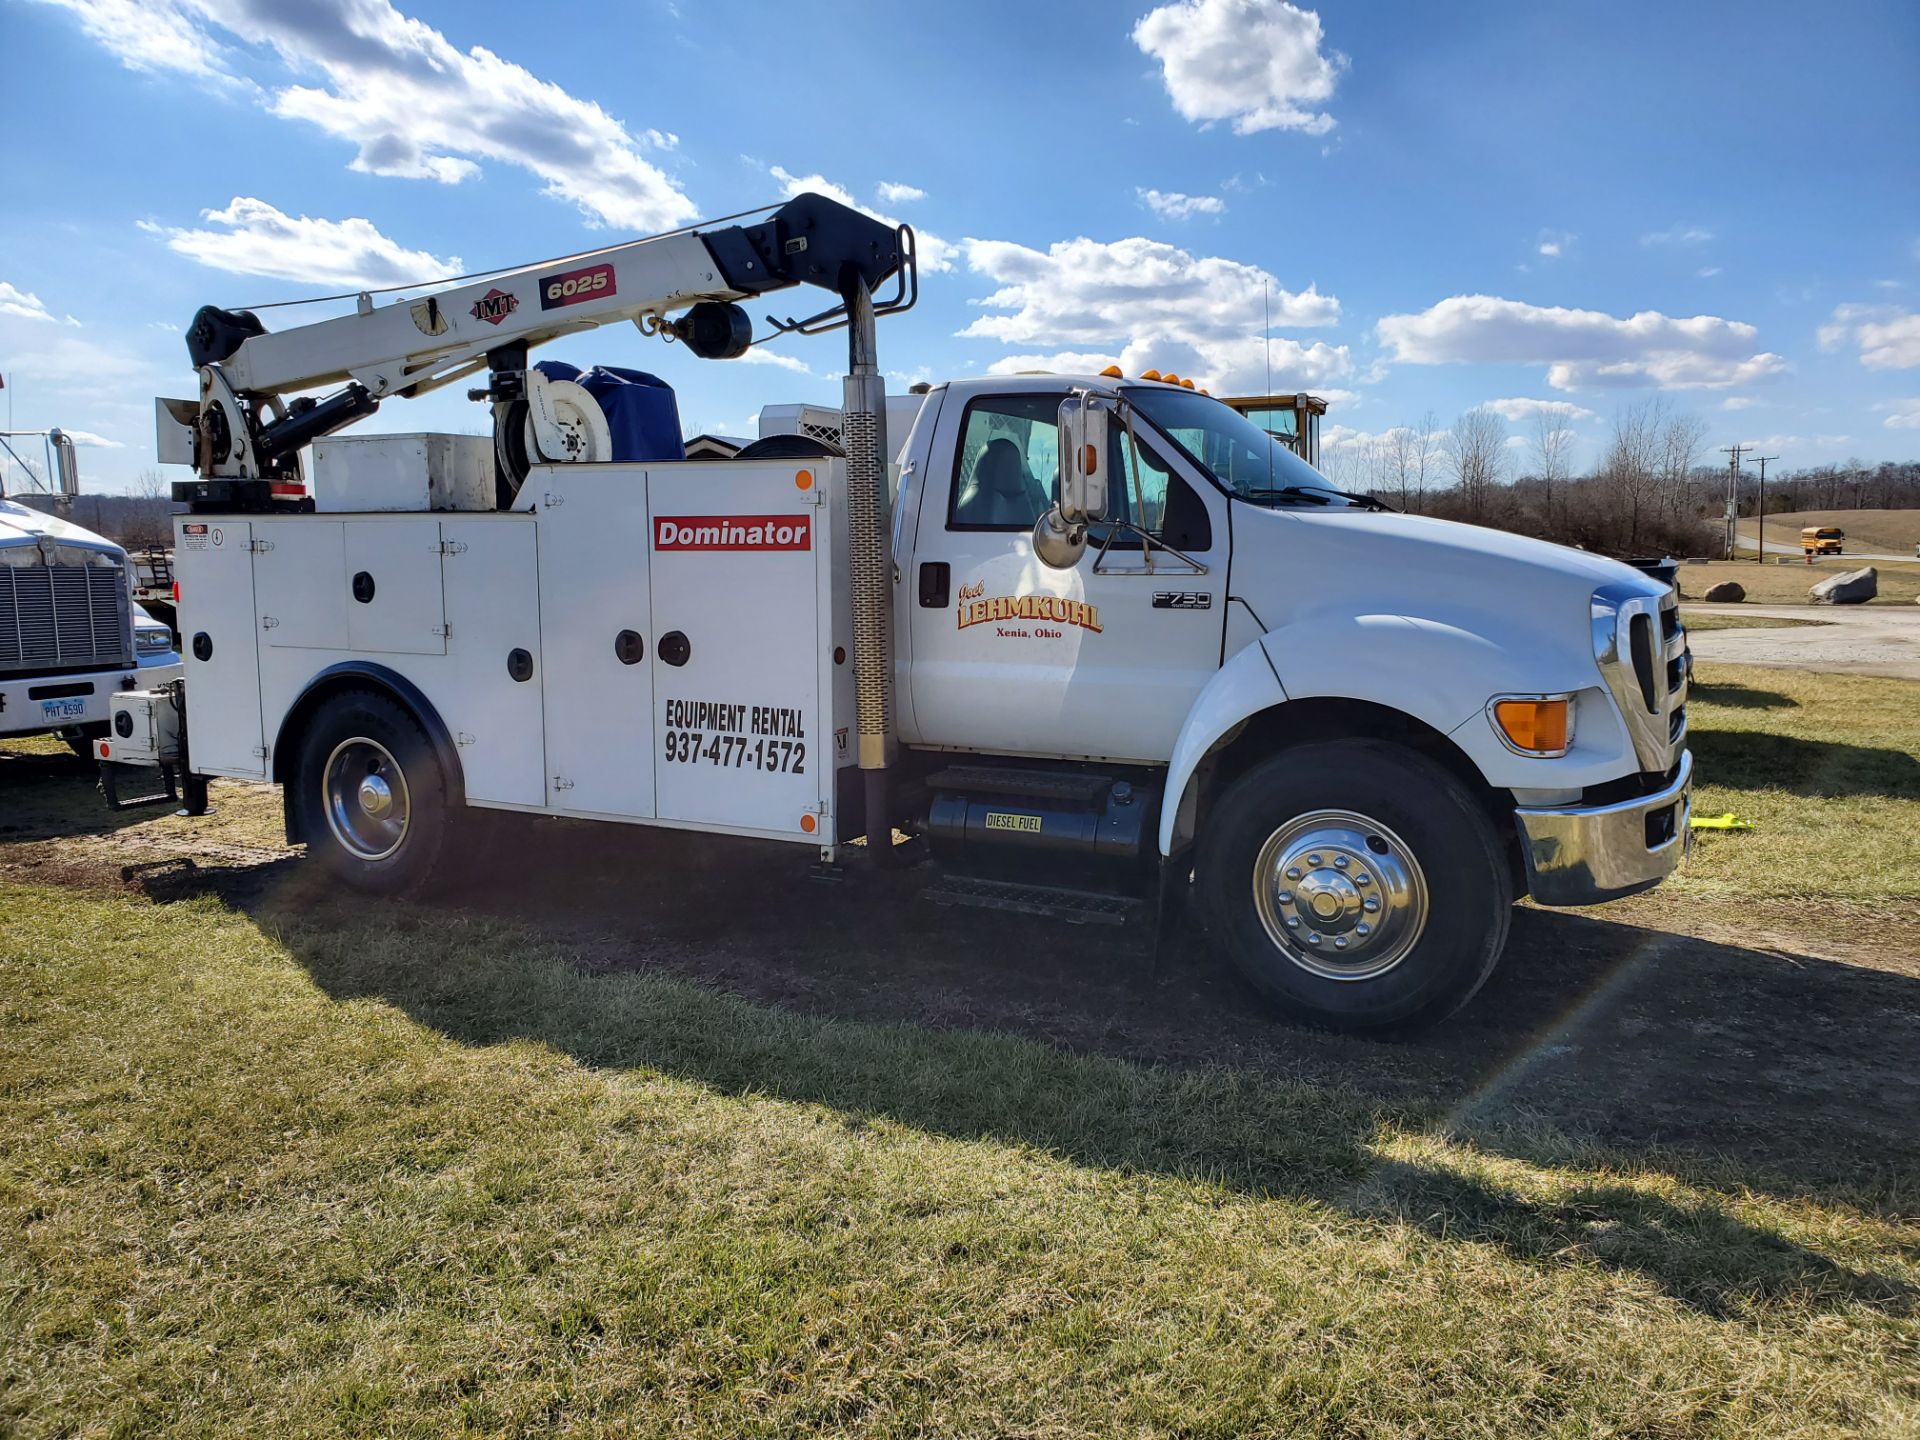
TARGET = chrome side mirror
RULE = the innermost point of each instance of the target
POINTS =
(1060, 535)
(66, 464)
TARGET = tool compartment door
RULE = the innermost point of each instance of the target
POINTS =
(739, 568)
(392, 574)
(220, 644)
(598, 695)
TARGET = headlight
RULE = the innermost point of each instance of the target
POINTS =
(151, 640)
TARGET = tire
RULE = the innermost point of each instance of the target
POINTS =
(370, 798)
(81, 739)
(1345, 834)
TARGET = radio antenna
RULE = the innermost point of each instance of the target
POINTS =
(1266, 345)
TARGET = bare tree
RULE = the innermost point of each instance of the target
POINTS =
(1476, 452)
(1427, 445)
(1630, 473)
(1680, 441)
(1552, 453)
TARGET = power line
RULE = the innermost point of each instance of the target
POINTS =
(1733, 452)
(1761, 557)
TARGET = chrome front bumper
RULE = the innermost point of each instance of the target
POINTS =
(1582, 856)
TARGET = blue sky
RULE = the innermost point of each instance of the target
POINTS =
(1445, 206)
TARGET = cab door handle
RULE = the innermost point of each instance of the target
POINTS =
(936, 578)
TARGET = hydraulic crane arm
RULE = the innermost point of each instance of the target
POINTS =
(242, 429)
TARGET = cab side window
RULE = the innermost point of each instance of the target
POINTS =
(1143, 490)
(1008, 469)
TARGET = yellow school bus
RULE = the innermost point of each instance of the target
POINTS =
(1822, 539)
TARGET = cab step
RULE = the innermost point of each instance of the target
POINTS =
(1056, 902)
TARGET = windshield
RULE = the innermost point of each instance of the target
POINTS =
(1235, 451)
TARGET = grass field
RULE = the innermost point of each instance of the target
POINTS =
(1775, 584)
(1714, 620)
(1892, 532)
(518, 1161)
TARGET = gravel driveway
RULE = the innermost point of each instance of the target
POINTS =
(1850, 640)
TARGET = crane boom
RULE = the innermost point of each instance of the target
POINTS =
(241, 428)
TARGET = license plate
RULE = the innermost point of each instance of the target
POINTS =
(73, 709)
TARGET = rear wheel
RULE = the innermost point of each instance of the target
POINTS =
(1357, 885)
(369, 795)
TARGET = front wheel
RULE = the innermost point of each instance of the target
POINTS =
(369, 796)
(1357, 885)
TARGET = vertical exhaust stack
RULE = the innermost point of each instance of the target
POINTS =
(863, 432)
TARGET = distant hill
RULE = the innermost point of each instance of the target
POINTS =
(1892, 532)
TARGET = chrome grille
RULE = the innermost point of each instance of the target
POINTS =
(1642, 649)
(62, 617)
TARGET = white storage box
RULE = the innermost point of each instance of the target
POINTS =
(362, 473)
(143, 729)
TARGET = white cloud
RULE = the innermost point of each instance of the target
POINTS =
(1258, 63)
(258, 239)
(1142, 303)
(1795, 442)
(1516, 442)
(22, 304)
(1555, 243)
(1173, 205)
(1903, 414)
(1888, 337)
(1678, 235)
(1581, 347)
(760, 355)
(1518, 408)
(148, 36)
(91, 440)
(893, 193)
(1738, 402)
(1707, 272)
(412, 103)
(934, 254)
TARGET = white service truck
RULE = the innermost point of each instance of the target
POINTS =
(71, 635)
(1110, 646)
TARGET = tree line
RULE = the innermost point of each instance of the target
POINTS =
(1653, 490)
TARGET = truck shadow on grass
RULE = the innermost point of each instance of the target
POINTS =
(37, 784)
(1615, 1096)
(1751, 759)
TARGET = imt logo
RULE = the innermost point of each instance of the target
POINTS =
(494, 306)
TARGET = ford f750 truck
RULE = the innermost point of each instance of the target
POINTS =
(1111, 645)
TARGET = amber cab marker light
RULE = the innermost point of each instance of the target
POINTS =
(1149, 374)
(1112, 372)
(1540, 727)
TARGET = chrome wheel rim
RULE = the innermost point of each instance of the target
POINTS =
(1340, 894)
(366, 799)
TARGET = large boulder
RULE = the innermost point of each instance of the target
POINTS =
(1730, 592)
(1855, 587)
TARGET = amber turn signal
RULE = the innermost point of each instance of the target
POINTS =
(1540, 727)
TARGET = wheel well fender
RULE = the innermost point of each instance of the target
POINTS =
(364, 675)
(1245, 686)
(1237, 744)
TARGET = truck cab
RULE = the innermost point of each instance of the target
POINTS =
(1361, 732)
(71, 636)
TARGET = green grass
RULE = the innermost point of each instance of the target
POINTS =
(428, 1177)
(356, 1168)
(1828, 768)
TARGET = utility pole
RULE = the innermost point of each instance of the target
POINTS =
(1733, 453)
(1761, 557)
